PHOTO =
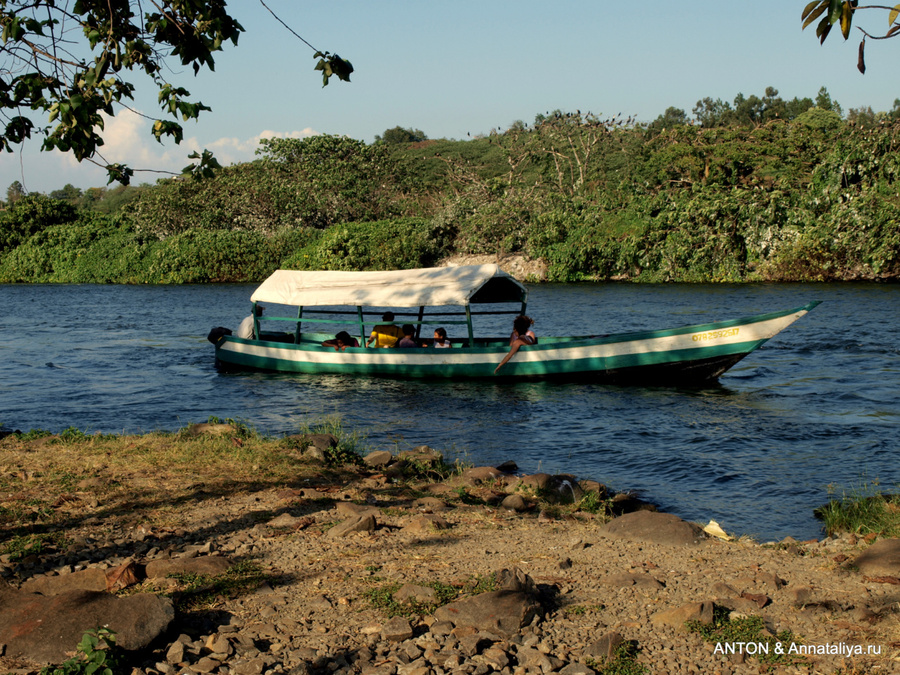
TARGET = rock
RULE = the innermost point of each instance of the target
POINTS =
(378, 458)
(624, 502)
(351, 510)
(605, 647)
(410, 593)
(91, 579)
(514, 580)
(426, 523)
(44, 629)
(881, 559)
(653, 527)
(800, 595)
(422, 455)
(396, 630)
(285, 522)
(695, 611)
(503, 612)
(430, 505)
(515, 503)
(206, 565)
(481, 474)
(642, 581)
(359, 524)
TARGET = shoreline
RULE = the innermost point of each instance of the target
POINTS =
(329, 540)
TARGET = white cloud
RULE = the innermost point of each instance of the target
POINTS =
(233, 150)
(127, 140)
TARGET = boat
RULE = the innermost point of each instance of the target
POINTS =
(453, 296)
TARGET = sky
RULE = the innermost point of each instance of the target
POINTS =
(460, 68)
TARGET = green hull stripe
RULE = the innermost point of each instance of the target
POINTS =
(486, 369)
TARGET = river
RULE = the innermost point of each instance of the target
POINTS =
(817, 406)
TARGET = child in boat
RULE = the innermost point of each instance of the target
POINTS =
(386, 334)
(440, 339)
(409, 337)
(522, 336)
(341, 341)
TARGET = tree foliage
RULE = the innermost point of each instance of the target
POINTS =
(828, 13)
(70, 62)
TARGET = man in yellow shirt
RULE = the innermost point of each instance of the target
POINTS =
(387, 334)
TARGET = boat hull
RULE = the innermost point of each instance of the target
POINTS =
(686, 355)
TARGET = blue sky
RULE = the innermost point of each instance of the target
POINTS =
(466, 67)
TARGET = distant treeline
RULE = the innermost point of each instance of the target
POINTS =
(761, 189)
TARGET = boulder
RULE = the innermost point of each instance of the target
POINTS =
(422, 455)
(502, 612)
(351, 510)
(654, 527)
(91, 579)
(881, 559)
(695, 611)
(426, 523)
(378, 458)
(358, 524)
(481, 474)
(45, 629)
(207, 565)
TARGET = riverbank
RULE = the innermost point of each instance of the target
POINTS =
(319, 548)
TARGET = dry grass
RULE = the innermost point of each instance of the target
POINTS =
(53, 483)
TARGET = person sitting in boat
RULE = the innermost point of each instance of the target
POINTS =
(522, 336)
(245, 330)
(409, 337)
(440, 339)
(386, 334)
(341, 341)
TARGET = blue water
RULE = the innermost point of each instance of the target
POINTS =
(817, 405)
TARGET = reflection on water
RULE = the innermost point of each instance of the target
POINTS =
(818, 404)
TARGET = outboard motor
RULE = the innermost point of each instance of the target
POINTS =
(217, 333)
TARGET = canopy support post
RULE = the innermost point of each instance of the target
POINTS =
(362, 327)
(297, 332)
(419, 325)
(469, 326)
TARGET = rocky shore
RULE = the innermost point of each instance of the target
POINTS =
(484, 571)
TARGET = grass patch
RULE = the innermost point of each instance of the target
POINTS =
(382, 598)
(623, 662)
(33, 544)
(201, 592)
(863, 510)
(749, 630)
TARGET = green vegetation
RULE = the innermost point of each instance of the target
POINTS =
(96, 654)
(200, 592)
(623, 662)
(761, 189)
(863, 510)
(771, 650)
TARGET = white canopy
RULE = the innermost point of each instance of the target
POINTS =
(431, 287)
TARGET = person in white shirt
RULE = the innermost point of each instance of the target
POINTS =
(245, 330)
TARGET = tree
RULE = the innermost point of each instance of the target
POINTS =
(400, 135)
(673, 117)
(844, 12)
(14, 192)
(824, 102)
(68, 60)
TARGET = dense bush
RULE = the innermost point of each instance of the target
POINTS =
(814, 198)
(403, 243)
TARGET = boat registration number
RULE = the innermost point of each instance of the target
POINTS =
(715, 334)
